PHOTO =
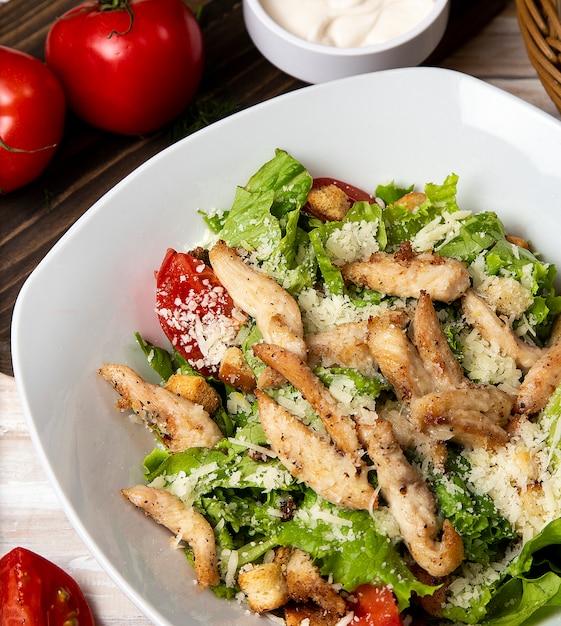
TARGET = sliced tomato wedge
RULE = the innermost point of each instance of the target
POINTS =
(35, 591)
(375, 605)
(195, 311)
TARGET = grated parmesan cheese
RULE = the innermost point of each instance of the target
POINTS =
(355, 241)
(441, 230)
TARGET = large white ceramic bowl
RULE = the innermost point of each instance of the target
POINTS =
(316, 63)
(82, 304)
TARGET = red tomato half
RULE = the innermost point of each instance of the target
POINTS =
(32, 113)
(375, 606)
(195, 312)
(37, 592)
(128, 70)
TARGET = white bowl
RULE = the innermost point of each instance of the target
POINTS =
(316, 63)
(82, 304)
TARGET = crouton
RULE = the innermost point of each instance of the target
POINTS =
(518, 241)
(304, 583)
(328, 203)
(264, 586)
(196, 389)
(412, 200)
(235, 372)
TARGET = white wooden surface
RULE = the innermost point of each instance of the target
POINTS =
(30, 515)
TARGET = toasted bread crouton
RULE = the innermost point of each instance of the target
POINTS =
(329, 203)
(264, 586)
(196, 389)
(235, 371)
(412, 200)
(282, 555)
(309, 615)
(518, 241)
(305, 583)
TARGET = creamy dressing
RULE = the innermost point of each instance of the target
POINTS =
(348, 23)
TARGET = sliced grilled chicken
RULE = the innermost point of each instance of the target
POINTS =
(312, 459)
(275, 311)
(429, 338)
(343, 346)
(337, 422)
(542, 378)
(183, 521)
(182, 424)
(481, 316)
(397, 357)
(471, 416)
(406, 274)
(410, 500)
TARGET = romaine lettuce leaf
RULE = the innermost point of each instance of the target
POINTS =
(319, 236)
(347, 546)
(403, 225)
(264, 220)
(484, 531)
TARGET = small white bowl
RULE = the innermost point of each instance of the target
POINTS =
(317, 63)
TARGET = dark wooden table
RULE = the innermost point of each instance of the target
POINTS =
(90, 162)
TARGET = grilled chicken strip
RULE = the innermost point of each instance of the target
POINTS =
(184, 522)
(542, 378)
(344, 345)
(182, 424)
(429, 338)
(339, 425)
(397, 357)
(410, 501)
(471, 416)
(275, 311)
(406, 274)
(312, 459)
(481, 316)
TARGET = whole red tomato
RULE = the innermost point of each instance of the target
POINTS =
(32, 112)
(128, 67)
(35, 591)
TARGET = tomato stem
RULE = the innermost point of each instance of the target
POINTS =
(117, 5)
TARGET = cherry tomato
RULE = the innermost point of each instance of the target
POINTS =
(375, 606)
(195, 312)
(37, 592)
(127, 66)
(32, 113)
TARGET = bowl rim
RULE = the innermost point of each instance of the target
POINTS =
(270, 24)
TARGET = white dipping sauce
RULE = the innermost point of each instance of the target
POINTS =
(348, 23)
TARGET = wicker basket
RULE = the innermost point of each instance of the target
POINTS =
(540, 26)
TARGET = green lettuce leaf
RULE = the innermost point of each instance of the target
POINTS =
(264, 219)
(352, 550)
(402, 224)
(484, 531)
